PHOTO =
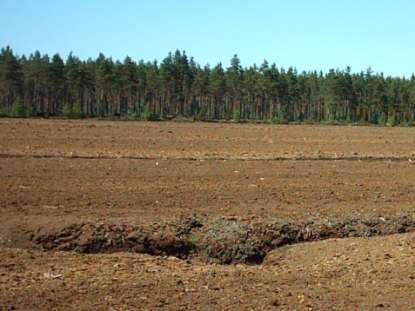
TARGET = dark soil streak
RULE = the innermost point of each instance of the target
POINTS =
(109, 157)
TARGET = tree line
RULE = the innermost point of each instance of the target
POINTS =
(40, 85)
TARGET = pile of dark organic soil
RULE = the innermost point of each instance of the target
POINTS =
(222, 241)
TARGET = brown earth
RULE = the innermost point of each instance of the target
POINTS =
(200, 140)
(55, 174)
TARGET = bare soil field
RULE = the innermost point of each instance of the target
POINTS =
(137, 215)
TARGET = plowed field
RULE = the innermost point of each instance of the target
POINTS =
(119, 215)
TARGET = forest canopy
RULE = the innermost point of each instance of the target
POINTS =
(42, 85)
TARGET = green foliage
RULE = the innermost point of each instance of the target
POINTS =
(278, 118)
(236, 116)
(146, 114)
(202, 114)
(67, 110)
(4, 112)
(17, 110)
(31, 111)
(179, 88)
(76, 110)
(382, 119)
(374, 118)
(73, 111)
(391, 120)
(133, 116)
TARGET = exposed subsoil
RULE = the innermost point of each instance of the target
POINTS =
(205, 216)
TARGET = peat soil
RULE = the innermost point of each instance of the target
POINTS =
(223, 241)
(136, 215)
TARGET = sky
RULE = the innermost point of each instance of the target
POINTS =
(306, 34)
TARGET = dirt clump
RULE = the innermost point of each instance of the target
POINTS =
(228, 242)
(107, 238)
(220, 241)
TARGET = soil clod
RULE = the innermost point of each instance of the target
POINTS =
(220, 241)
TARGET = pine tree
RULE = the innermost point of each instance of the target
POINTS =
(11, 79)
(38, 85)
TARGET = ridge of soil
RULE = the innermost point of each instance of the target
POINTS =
(221, 241)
